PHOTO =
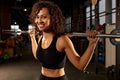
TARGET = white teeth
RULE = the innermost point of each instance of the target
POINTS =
(40, 25)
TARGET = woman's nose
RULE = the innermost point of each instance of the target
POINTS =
(38, 20)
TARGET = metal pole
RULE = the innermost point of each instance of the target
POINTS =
(98, 35)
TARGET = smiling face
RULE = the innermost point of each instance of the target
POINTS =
(42, 20)
(48, 17)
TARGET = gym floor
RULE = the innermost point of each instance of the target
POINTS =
(27, 68)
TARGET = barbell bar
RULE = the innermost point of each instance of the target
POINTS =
(114, 36)
(15, 31)
(98, 35)
(75, 34)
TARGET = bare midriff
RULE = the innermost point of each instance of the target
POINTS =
(52, 72)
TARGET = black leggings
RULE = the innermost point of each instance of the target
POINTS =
(42, 77)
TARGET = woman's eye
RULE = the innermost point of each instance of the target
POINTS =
(37, 17)
(44, 17)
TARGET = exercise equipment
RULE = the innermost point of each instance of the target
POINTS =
(6, 56)
(98, 35)
(1, 52)
(114, 35)
(113, 72)
(18, 31)
(115, 41)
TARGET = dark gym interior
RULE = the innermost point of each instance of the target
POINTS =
(17, 61)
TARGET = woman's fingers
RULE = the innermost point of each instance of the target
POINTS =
(31, 32)
(92, 33)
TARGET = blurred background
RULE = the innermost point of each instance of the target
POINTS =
(16, 59)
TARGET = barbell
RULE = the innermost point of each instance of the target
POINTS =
(14, 31)
(114, 35)
(115, 41)
(98, 35)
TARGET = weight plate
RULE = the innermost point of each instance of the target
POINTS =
(115, 41)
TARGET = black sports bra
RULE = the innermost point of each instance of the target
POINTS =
(51, 58)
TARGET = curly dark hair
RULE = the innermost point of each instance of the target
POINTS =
(57, 18)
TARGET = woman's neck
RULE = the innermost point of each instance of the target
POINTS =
(47, 35)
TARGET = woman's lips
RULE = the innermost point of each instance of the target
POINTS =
(40, 25)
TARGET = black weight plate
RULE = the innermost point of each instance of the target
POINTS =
(113, 40)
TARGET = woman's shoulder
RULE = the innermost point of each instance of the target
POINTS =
(63, 39)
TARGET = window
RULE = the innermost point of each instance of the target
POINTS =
(88, 12)
(102, 11)
(113, 4)
(113, 11)
(102, 6)
(88, 18)
(68, 24)
(102, 20)
(113, 17)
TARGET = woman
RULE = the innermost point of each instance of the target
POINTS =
(53, 44)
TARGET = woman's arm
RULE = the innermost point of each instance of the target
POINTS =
(34, 43)
(79, 62)
(90, 49)
(34, 46)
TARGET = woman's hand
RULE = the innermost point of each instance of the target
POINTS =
(91, 36)
(32, 32)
